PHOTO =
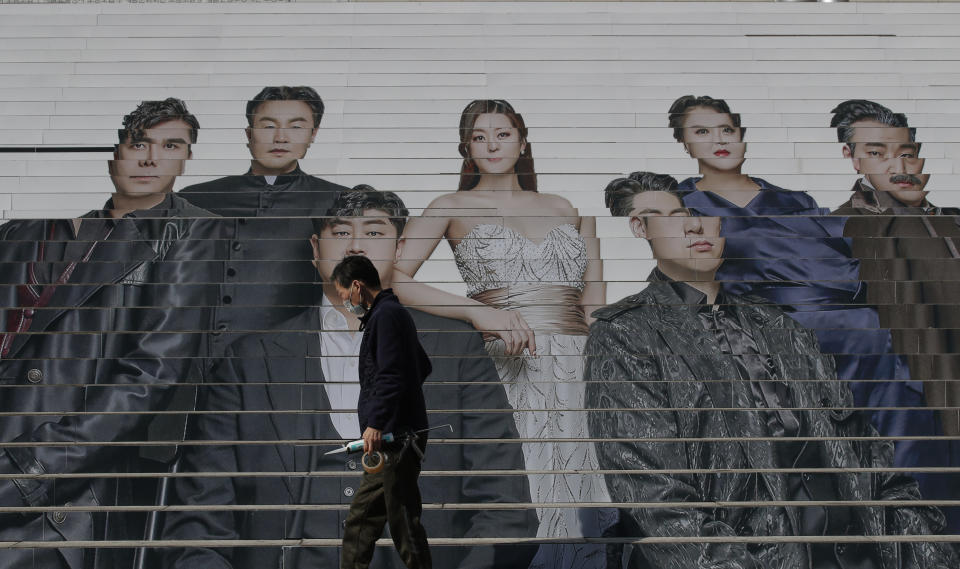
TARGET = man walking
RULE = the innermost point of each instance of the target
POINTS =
(393, 367)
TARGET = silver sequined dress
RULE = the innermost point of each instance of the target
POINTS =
(544, 282)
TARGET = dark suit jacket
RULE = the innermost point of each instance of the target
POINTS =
(662, 376)
(267, 376)
(127, 325)
(268, 276)
(911, 264)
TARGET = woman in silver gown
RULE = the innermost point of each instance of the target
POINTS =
(531, 257)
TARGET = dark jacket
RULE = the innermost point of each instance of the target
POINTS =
(662, 376)
(272, 376)
(94, 364)
(393, 366)
(911, 263)
(268, 276)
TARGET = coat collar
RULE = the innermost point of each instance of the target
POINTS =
(867, 198)
(282, 180)
(385, 295)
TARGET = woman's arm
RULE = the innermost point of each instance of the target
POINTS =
(421, 236)
(595, 288)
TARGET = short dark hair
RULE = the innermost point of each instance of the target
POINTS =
(355, 268)
(680, 107)
(284, 93)
(353, 202)
(619, 194)
(149, 114)
(854, 110)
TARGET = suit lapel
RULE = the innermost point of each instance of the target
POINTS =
(276, 360)
(110, 261)
(291, 367)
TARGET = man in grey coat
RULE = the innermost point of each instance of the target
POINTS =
(717, 395)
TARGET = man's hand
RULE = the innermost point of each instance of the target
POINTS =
(372, 439)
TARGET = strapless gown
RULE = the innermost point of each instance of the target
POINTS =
(544, 283)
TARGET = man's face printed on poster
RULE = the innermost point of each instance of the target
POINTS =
(279, 136)
(889, 160)
(149, 163)
(689, 243)
(371, 235)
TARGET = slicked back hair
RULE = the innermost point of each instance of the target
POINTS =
(355, 268)
(679, 109)
(619, 194)
(303, 93)
(855, 110)
(149, 114)
(353, 202)
(469, 173)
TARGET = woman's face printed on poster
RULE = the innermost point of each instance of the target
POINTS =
(712, 138)
(495, 144)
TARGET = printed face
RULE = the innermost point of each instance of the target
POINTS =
(888, 160)
(681, 243)
(495, 144)
(371, 235)
(151, 163)
(279, 136)
(712, 138)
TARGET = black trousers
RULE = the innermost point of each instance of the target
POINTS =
(392, 497)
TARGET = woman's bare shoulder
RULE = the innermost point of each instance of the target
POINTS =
(558, 204)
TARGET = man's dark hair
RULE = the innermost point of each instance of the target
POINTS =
(353, 202)
(619, 194)
(284, 93)
(355, 268)
(854, 110)
(680, 107)
(149, 114)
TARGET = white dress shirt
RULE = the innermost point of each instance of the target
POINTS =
(340, 354)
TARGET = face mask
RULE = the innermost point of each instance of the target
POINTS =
(358, 310)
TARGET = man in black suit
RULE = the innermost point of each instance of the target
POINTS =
(301, 382)
(267, 277)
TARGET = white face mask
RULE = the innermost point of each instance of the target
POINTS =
(358, 310)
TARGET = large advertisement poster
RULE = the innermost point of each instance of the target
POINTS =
(479, 286)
